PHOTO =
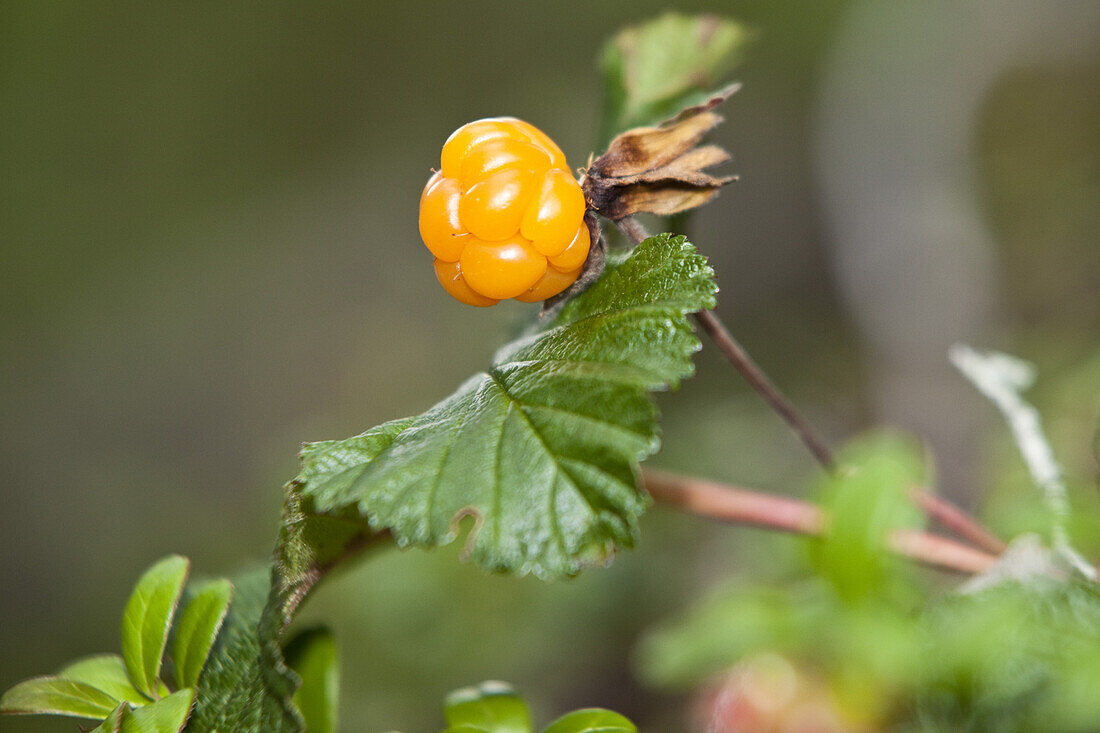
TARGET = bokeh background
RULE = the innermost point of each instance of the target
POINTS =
(210, 254)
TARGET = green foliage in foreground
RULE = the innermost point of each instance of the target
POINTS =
(126, 692)
(542, 450)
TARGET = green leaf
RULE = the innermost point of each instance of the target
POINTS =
(105, 672)
(653, 70)
(491, 707)
(56, 696)
(113, 722)
(542, 450)
(167, 715)
(592, 720)
(246, 686)
(312, 655)
(147, 618)
(865, 499)
(198, 626)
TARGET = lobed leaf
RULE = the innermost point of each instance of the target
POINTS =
(541, 451)
(147, 618)
(197, 627)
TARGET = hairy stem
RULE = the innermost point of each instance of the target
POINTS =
(752, 373)
(737, 505)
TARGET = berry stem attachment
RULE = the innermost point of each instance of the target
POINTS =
(746, 367)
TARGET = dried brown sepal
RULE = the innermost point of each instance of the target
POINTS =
(659, 170)
(663, 199)
(593, 268)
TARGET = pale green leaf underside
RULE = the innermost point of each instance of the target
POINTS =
(147, 617)
(197, 627)
(57, 696)
(592, 720)
(542, 450)
(107, 673)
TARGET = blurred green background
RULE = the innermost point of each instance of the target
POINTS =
(208, 222)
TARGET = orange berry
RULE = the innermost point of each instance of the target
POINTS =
(501, 269)
(440, 227)
(466, 137)
(450, 277)
(497, 154)
(502, 204)
(540, 138)
(551, 219)
(576, 253)
(552, 283)
(492, 209)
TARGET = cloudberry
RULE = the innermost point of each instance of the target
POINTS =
(503, 215)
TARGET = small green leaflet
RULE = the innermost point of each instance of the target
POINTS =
(653, 70)
(864, 500)
(147, 618)
(113, 722)
(591, 720)
(57, 696)
(106, 672)
(494, 707)
(196, 629)
(542, 450)
(166, 715)
(491, 707)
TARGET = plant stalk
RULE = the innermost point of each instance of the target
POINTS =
(950, 515)
(738, 505)
(752, 373)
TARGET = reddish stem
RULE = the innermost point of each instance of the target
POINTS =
(956, 519)
(738, 505)
(938, 508)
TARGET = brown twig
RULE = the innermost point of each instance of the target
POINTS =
(747, 506)
(748, 369)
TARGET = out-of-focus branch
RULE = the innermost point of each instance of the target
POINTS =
(738, 505)
(949, 515)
